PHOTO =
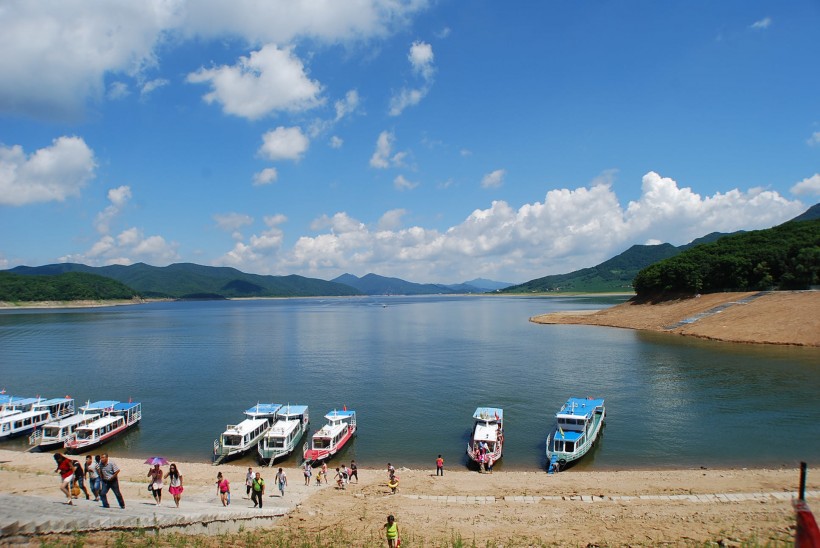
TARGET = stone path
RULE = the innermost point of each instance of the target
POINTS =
(715, 310)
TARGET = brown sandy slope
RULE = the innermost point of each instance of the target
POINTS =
(783, 317)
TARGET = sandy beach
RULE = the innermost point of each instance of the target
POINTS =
(612, 508)
(783, 317)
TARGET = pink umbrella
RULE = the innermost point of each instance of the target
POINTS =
(156, 460)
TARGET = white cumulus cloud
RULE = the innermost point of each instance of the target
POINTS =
(402, 183)
(421, 61)
(284, 143)
(814, 140)
(761, 24)
(265, 177)
(493, 179)
(53, 173)
(268, 81)
(383, 156)
(118, 197)
(810, 186)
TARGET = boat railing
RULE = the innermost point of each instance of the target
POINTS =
(35, 436)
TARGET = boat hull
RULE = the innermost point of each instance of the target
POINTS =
(318, 455)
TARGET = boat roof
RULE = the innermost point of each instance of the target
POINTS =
(263, 409)
(579, 407)
(73, 419)
(335, 414)
(484, 432)
(101, 405)
(53, 401)
(283, 428)
(102, 421)
(330, 430)
(247, 425)
(126, 406)
(9, 412)
(488, 413)
(24, 414)
(292, 410)
(568, 435)
(16, 401)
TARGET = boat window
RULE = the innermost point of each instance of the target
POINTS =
(321, 443)
(570, 447)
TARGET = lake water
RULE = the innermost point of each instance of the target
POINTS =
(414, 369)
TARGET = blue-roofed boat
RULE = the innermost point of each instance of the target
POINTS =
(487, 437)
(115, 419)
(282, 438)
(24, 415)
(238, 439)
(577, 426)
(332, 437)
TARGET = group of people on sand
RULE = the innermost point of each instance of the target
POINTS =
(157, 483)
(484, 457)
(343, 475)
(101, 473)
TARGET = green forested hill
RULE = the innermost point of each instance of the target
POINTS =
(783, 257)
(187, 279)
(70, 286)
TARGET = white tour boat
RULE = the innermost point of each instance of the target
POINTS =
(577, 426)
(488, 430)
(332, 437)
(117, 418)
(24, 415)
(55, 433)
(282, 438)
(238, 439)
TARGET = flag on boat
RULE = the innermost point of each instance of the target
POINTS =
(562, 432)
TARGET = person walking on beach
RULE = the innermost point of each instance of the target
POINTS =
(110, 482)
(390, 470)
(248, 482)
(489, 463)
(393, 483)
(308, 473)
(257, 490)
(156, 474)
(223, 489)
(93, 476)
(79, 478)
(175, 483)
(324, 471)
(391, 531)
(354, 471)
(281, 481)
(66, 471)
(340, 482)
(439, 466)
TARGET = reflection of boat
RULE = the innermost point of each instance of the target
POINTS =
(332, 437)
(23, 415)
(577, 426)
(116, 418)
(282, 438)
(488, 429)
(238, 439)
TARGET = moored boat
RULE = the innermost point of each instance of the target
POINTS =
(55, 433)
(487, 437)
(116, 418)
(282, 438)
(24, 415)
(577, 426)
(238, 439)
(332, 437)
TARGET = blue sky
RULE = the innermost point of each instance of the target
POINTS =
(435, 141)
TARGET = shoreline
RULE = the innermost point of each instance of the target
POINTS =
(512, 508)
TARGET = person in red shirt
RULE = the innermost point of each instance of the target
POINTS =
(66, 470)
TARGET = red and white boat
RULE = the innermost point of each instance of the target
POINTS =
(116, 419)
(332, 437)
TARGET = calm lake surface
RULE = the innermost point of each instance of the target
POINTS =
(414, 369)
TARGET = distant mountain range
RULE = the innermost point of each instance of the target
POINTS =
(373, 284)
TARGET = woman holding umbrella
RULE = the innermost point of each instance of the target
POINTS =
(156, 475)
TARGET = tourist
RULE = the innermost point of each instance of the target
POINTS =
(308, 473)
(340, 482)
(156, 485)
(281, 481)
(489, 463)
(439, 466)
(223, 489)
(79, 476)
(393, 483)
(93, 477)
(391, 530)
(390, 470)
(175, 483)
(354, 470)
(324, 471)
(248, 482)
(66, 471)
(109, 472)
(257, 490)
(345, 474)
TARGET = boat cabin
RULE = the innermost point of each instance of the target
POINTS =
(18, 423)
(265, 411)
(573, 423)
(18, 403)
(288, 428)
(99, 428)
(58, 431)
(338, 424)
(242, 435)
(131, 411)
(59, 407)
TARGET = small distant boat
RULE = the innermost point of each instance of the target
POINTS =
(283, 437)
(578, 424)
(238, 439)
(332, 437)
(488, 429)
(115, 419)
(24, 415)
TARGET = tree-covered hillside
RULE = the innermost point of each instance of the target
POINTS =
(71, 286)
(783, 257)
